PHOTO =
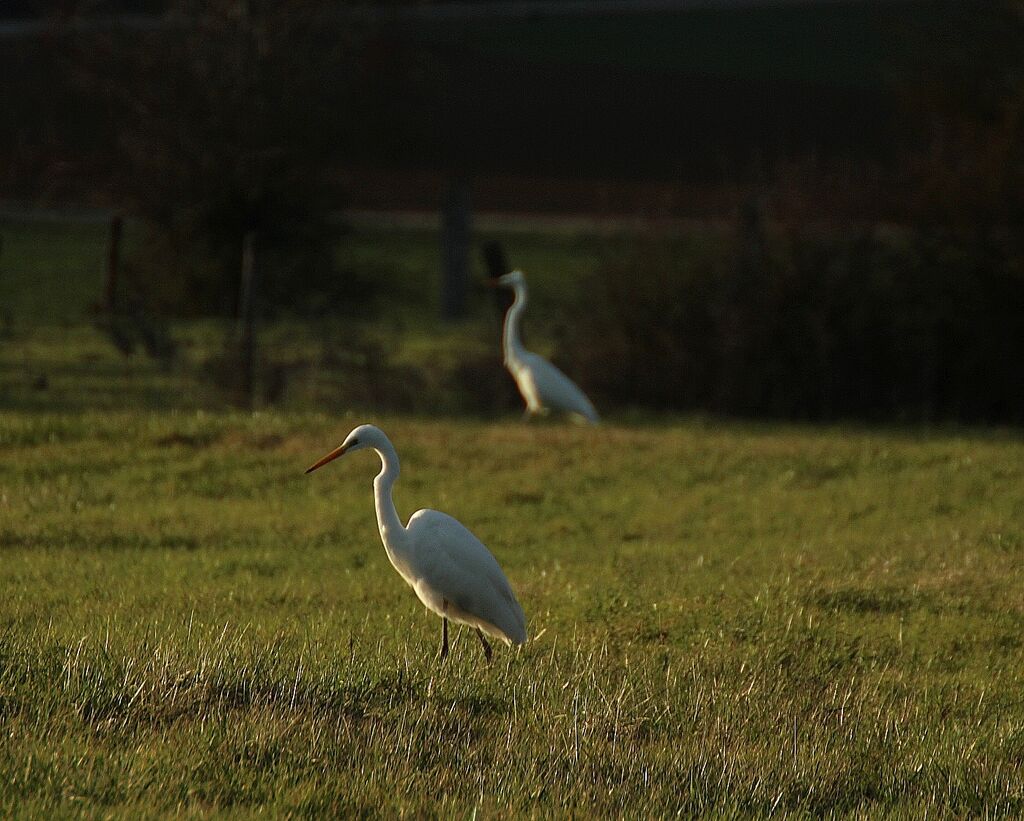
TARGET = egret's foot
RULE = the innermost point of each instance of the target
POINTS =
(487, 648)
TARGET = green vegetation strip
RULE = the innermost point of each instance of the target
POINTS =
(725, 619)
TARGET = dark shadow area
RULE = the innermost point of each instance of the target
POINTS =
(812, 211)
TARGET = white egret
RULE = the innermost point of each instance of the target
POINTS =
(450, 569)
(543, 386)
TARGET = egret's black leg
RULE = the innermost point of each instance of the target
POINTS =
(487, 647)
(444, 637)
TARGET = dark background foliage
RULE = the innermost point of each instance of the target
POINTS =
(222, 127)
(855, 172)
(815, 325)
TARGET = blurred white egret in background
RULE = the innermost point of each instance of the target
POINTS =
(543, 386)
(450, 569)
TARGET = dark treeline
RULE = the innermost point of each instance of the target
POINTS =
(870, 323)
(727, 96)
(878, 146)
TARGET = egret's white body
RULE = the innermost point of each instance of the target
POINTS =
(543, 386)
(450, 569)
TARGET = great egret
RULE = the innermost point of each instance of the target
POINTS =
(542, 385)
(451, 571)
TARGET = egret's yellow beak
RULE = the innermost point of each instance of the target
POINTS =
(330, 457)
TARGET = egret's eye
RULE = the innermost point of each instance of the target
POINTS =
(354, 443)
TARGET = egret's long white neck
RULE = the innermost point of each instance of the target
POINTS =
(512, 347)
(392, 532)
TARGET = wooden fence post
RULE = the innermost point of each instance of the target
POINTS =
(247, 318)
(455, 232)
(496, 264)
(113, 263)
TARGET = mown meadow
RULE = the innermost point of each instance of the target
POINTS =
(726, 618)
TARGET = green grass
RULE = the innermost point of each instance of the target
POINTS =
(725, 619)
(53, 355)
(50, 273)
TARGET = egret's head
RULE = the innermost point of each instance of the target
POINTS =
(365, 436)
(514, 279)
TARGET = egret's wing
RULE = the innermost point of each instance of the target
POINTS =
(458, 567)
(558, 391)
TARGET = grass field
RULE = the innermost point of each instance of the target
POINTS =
(726, 618)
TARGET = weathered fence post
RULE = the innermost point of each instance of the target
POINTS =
(247, 318)
(113, 263)
(455, 232)
(496, 264)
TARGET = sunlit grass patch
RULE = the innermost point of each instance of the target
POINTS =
(725, 619)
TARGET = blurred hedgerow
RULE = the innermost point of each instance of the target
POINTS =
(225, 125)
(814, 324)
